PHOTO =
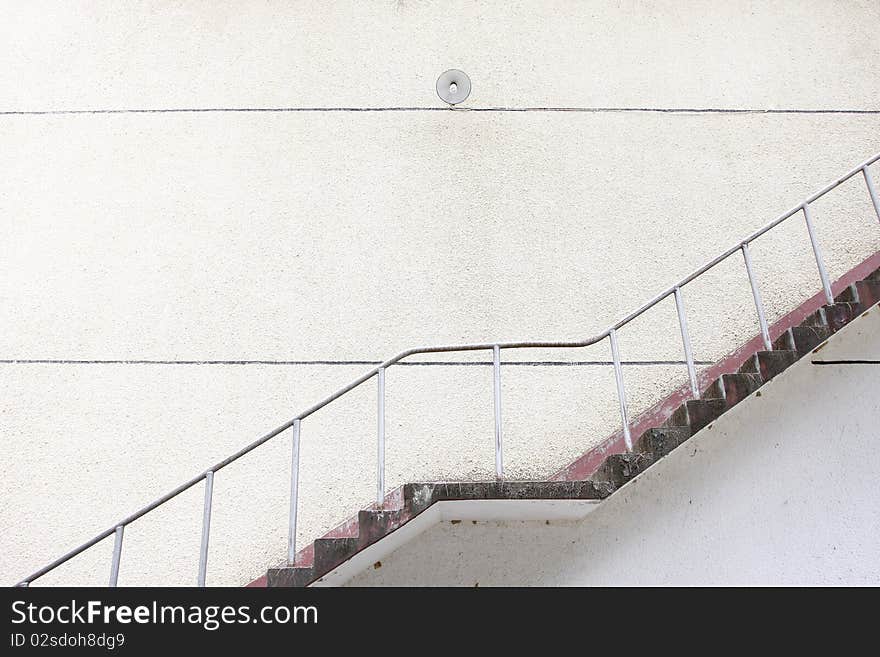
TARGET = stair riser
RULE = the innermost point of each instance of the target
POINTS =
(660, 442)
(869, 294)
(734, 387)
(696, 414)
(847, 295)
(840, 314)
(769, 363)
(289, 577)
(862, 294)
(620, 468)
(802, 339)
(374, 525)
(330, 552)
(835, 316)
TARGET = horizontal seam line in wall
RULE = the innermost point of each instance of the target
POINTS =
(32, 361)
(664, 110)
(846, 362)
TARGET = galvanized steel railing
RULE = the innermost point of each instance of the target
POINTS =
(379, 372)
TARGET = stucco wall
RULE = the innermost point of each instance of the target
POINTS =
(779, 491)
(312, 241)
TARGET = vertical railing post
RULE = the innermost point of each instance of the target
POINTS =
(380, 465)
(756, 295)
(117, 555)
(294, 492)
(499, 456)
(686, 340)
(817, 251)
(206, 528)
(621, 393)
(871, 190)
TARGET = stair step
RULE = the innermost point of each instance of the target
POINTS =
(838, 315)
(869, 293)
(835, 316)
(769, 363)
(374, 525)
(419, 496)
(863, 294)
(620, 468)
(847, 295)
(290, 576)
(660, 441)
(802, 339)
(733, 388)
(696, 413)
(815, 319)
(330, 552)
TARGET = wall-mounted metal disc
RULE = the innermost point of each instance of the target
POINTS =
(453, 86)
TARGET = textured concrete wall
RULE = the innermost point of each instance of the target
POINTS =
(293, 246)
(809, 54)
(781, 490)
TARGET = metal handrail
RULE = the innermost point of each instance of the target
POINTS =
(495, 347)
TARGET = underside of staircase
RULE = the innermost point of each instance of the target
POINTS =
(604, 469)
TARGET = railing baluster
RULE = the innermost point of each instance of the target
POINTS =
(380, 489)
(206, 528)
(499, 456)
(621, 393)
(686, 340)
(117, 555)
(871, 190)
(756, 295)
(817, 251)
(294, 492)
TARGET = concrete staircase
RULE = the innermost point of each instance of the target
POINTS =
(727, 390)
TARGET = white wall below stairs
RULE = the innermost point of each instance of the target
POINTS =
(781, 490)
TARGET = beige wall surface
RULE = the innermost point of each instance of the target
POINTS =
(176, 283)
(632, 53)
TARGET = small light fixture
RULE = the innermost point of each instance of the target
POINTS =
(453, 86)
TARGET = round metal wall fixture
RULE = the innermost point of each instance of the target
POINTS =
(453, 86)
